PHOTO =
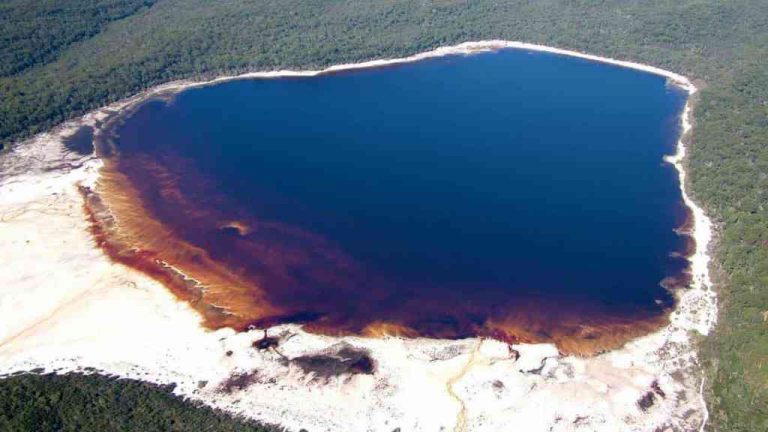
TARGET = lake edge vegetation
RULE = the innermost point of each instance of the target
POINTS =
(93, 402)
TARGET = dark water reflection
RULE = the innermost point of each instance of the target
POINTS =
(449, 197)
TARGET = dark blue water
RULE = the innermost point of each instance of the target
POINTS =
(462, 187)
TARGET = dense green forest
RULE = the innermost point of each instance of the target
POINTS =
(115, 49)
(33, 33)
(76, 402)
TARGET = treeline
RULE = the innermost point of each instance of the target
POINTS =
(722, 44)
(97, 403)
(185, 38)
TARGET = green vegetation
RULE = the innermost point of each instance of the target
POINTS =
(87, 403)
(32, 33)
(724, 45)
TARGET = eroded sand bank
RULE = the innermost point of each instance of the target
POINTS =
(65, 306)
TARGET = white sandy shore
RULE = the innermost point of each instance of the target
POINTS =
(65, 307)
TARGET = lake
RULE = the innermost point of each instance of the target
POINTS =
(512, 194)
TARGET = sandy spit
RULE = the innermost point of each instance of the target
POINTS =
(64, 306)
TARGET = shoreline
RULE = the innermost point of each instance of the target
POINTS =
(118, 197)
(683, 318)
(464, 48)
